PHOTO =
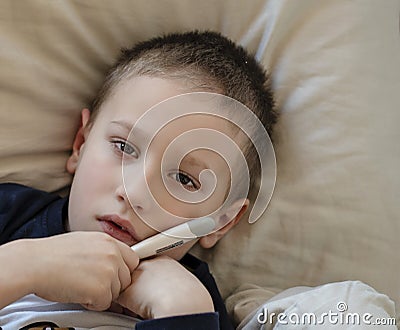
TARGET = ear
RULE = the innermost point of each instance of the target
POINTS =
(238, 208)
(79, 141)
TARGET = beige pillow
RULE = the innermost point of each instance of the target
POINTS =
(335, 69)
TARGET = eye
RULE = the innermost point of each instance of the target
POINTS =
(186, 181)
(125, 147)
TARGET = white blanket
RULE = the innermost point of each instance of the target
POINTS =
(31, 309)
(341, 305)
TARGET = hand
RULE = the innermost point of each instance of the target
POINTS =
(89, 268)
(162, 287)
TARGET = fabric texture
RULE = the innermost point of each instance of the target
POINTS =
(340, 305)
(335, 68)
(29, 213)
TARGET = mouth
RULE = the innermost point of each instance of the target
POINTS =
(118, 228)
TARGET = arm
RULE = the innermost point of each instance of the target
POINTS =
(161, 287)
(14, 278)
(201, 271)
(168, 296)
(88, 268)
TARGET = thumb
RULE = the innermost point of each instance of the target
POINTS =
(130, 257)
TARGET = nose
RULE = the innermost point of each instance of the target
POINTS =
(133, 194)
(134, 188)
(136, 203)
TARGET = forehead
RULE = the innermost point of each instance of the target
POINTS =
(159, 100)
(136, 95)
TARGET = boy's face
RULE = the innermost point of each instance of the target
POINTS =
(101, 200)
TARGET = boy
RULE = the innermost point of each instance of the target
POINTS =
(81, 252)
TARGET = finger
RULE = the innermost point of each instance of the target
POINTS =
(130, 257)
(115, 288)
(125, 278)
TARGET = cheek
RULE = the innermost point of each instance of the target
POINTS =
(93, 182)
(193, 210)
(94, 171)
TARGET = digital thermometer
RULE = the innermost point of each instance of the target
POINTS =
(174, 237)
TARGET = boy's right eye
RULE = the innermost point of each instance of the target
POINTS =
(124, 147)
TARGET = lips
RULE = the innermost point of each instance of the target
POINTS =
(118, 228)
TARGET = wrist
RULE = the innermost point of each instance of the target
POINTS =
(15, 281)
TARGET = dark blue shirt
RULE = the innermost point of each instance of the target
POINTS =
(31, 213)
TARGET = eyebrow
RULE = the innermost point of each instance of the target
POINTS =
(194, 161)
(129, 128)
(124, 124)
